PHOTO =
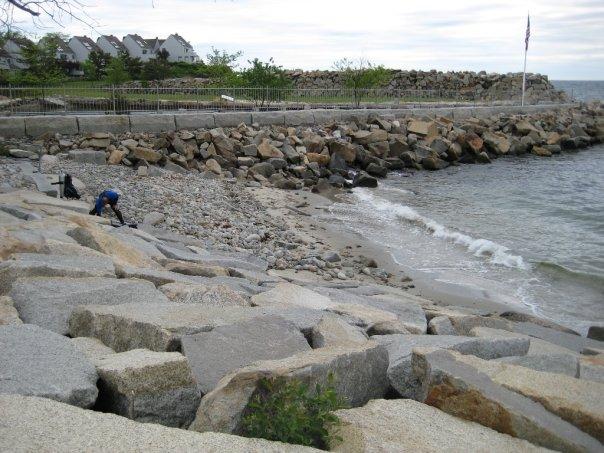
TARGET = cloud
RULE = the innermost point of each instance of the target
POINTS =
(567, 38)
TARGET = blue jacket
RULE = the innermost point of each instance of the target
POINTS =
(111, 196)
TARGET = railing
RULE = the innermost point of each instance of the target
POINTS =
(109, 99)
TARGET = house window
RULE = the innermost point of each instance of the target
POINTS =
(144, 51)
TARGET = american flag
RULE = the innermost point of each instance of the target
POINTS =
(528, 32)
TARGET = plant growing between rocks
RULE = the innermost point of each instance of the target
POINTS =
(288, 411)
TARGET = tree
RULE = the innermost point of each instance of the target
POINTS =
(116, 72)
(223, 58)
(133, 65)
(95, 68)
(267, 77)
(163, 55)
(43, 67)
(156, 69)
(361, 75)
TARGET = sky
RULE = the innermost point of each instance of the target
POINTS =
(567, 38)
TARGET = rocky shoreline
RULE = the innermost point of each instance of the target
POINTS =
(116, 337)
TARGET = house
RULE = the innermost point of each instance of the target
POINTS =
(14, 46)
(64, 52)
(4, 59)
(82, 46)
(138, 47)
(111, 45)
(179, 49)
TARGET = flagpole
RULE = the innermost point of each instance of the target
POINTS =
(526, 42)
(524, 78)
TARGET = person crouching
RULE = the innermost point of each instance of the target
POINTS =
(107, 197)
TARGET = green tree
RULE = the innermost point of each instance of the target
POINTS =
(267, 78)
(133, 65)
(116, 72)
(156, 69)
(288, 411)
(361, 76)
(42, 63)
(95, 68)
(223, 58)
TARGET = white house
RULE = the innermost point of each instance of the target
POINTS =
(82, 46)
(138, 47)
(179, 49)
(111, 45)
(14, 47)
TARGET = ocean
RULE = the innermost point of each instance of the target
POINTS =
(581, 90)
(526, 228)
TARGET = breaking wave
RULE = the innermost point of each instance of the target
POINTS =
(484, 248)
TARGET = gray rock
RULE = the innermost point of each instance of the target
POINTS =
(264, 338)
(149, 387)
(37, 362)
(441, 325)
(40, 265)
(331, 257)
(155, 276)
(21, 153)
(559, 364)
(154, 326)
(592, 368)
(334, 331)
(209, 295)
(400, 349)
(293, 295)
(86, 156)
(407, 312)
(563, 339)
(92, 348)
(459, 389)
(359, 373)
(48, 302)
(30, 422)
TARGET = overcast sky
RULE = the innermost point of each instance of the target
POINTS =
(567, 38)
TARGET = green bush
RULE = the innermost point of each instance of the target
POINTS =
(287, 411)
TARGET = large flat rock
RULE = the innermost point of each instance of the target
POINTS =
(154, 326)
(214, 295)
(48, 302)
(409, 426)
(577, 401)
(35, 424)
(41, 265)
(284, 294)
(538, 347)
(565, 340)
(148, 386)
(456, 387)
(400, 350)
(409, 313)
(37, 362)
(359, 372)
(559, 364)
(214, 354)
(122, 253)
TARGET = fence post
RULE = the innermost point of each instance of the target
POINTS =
(157, 97)
(10, 97)
(113, 97)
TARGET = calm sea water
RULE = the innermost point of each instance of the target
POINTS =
(582, 90)
(529, 228)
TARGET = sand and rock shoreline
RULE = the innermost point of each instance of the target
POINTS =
(101, 324)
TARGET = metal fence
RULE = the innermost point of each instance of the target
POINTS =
(109, 99)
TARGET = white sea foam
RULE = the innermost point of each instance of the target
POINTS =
(495, 253)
